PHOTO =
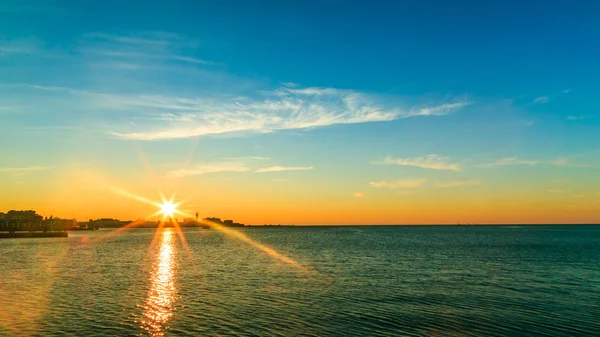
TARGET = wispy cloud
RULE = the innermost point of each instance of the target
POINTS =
(281, 109)
(136, 103)
(457, 183)
(398, 183)
(562, 162)
(141, 46)
(432, 161)
(555, 190)
(21, 171)
(438, 110)
(566, 91)
(511, 161)
(153, 117)
(203, 168)
(358, 195)
(572, 118)
(541, 100)
(283, 168)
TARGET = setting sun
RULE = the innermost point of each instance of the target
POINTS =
(168, 208)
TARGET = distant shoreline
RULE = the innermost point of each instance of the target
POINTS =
(380, 225)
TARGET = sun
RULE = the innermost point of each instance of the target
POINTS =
(168, 208)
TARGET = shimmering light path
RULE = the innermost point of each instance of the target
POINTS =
(160, 301)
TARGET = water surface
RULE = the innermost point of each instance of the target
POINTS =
(356, 281)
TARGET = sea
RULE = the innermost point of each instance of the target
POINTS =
(305, 281)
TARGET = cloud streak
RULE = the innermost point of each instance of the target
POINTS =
(432, 161)
(142, 46)
(204, 168)
(393, 184)
(511, 161)
(283, 169)
(21, 171)
(560, 162)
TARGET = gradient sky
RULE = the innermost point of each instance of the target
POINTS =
(397, 112)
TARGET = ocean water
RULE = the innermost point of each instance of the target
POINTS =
(305, 281)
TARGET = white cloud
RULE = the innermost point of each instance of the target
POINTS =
(21, 171)
(283, 168)
(447, 184)
(432, 161)
(282, 109)
(358, 195)
(575, 196)
(567, 91)
(438, 110)
(152, 117)
(209, 168)
(573, 118)
(398, 183)
(541, 99)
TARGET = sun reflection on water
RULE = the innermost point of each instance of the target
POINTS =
(161, 298)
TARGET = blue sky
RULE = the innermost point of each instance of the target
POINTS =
(349, 97)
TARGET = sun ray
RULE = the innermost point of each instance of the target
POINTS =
(133, 196)
(142, 157)
(264, 248)
(133, 224)
(182, 239)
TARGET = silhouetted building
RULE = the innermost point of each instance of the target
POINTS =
(226, 223)
(30, 221)
(107, 223)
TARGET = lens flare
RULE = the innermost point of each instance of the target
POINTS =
(168, 208)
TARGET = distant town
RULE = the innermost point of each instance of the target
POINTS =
(29, 221)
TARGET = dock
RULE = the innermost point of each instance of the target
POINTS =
(25, 235)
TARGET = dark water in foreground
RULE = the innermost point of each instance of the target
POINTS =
(369, 281)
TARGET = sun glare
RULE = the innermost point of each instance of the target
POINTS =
(168, 208)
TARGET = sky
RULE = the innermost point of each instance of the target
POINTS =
(300, 112)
